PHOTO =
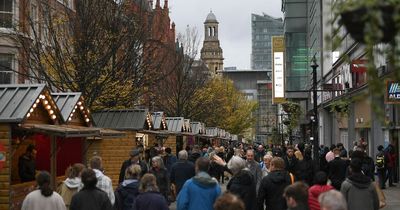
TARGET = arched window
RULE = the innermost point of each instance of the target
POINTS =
(209, 31)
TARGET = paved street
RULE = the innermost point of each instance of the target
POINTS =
(392, 198)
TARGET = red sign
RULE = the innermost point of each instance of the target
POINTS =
(2, 156)
(358, 66)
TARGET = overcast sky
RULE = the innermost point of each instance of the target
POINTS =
(234, 17)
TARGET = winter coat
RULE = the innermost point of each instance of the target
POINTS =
(151, 201)
(90, 199)
(313, 194)
(305, 171)
(181, 171)
(271, 190)
(255, 169)
(26, 168)
(243, 185)
(360, 193)
(337, 171)
(126, 194)
(36, 201)
(198, 193)
(193, 157)
(290, 164)
(128, 163)
(104, 183)
(169, 161)
(69, 188)
(162, 180)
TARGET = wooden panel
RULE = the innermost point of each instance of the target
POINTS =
(113, 152)
(5, 139)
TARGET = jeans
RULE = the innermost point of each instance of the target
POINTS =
(390, 176)
(382, 177)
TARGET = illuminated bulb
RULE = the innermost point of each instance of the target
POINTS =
(53, 117)
(28, 115)
(34, 105)
(31, 110)
(87, 120)
(51, 111)
(86, 116)
(48, 107)
(37, 100)
(73, 111)
(69, 119)
(79, 103)
(42, 97)
(71, 115)
(81, 107)
(87, 111)
(75, 107)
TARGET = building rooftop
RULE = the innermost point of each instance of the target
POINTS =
(211, 17)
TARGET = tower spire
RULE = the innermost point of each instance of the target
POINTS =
(157, 3)
(165, 4)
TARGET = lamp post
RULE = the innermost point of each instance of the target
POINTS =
(314, 67)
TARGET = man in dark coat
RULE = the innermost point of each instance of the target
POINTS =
(296, 196)
(27, 165)
(290, 160)
(90, 197)
(272, 186)
(133, 160)
(196, 153)
(181, 171)
(337, 170)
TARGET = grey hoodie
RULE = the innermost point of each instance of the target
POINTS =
(360, 193)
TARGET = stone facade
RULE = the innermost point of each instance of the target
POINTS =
(211, 53)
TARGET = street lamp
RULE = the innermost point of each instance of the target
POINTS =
(314, 67)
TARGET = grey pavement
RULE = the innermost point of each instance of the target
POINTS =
(392, 195)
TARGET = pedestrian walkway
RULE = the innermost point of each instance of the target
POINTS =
(392, 198)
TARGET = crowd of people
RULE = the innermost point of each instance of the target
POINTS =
(258, 178)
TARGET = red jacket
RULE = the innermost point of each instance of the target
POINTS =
(314, 192)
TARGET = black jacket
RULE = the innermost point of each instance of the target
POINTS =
(305, 171)
(128, 163)
(90, 199)
(291, 164)
(151, 201)
(337, 172)
(26, 168)
(125, 194)
(162, 180)
(271, 190)
(180, 172)
(194, 156)
(242, 184)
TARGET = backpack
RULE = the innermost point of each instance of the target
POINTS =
(380, 161)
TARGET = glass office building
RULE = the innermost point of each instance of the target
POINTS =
(263, 28)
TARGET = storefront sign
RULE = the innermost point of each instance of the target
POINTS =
(278, 59)
(392, 92)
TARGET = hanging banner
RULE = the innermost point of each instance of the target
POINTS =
(278, 69)
(392, 92)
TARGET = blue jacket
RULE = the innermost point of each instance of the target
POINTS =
(198, 193)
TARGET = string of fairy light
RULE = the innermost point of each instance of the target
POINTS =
(48, 105)
(85, 112)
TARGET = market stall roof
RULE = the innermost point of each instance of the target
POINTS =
(197, 127)
(18, 101)
(175, 124)
(158, 120)
(128, 119)
(212, 131)
(68, 103)
(187, 126)
(66, 131)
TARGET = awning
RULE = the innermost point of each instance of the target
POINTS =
(66, 131)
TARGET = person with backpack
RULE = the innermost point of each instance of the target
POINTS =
(380, 164)
(128, 190)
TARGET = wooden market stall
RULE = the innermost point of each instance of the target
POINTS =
(179, 129)
(30, 116)
(114, 153)
(198, 130)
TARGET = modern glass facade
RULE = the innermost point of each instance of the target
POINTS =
(263, 28)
